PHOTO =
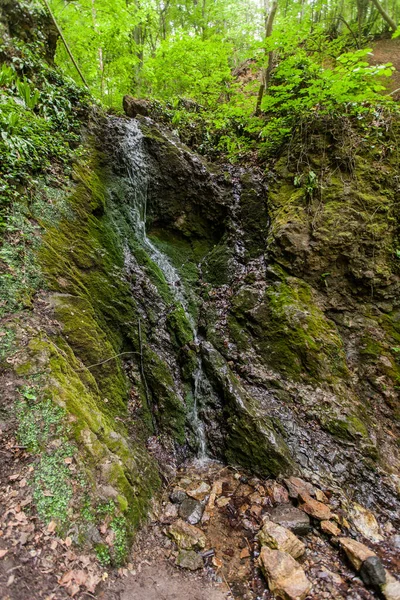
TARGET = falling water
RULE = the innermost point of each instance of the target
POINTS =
(137, 165)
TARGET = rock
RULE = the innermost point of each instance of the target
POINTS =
(255, 498)
(245, 553)
(170, 512)
(191, 510)
(134, 107)
(279, 538)
(177, 496)
(395, 541)
(295, 485)
(356, 552)
(186, 536)
(373, 573)
(278, 493)
(189, 559)
(330, 528)
(223, 501)
(292, 518)
(365, 523)
(284, 575)
(321, 497)
(198, 491)
(391, 589)
(256, 510)
(315, 509)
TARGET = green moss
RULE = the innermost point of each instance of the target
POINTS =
(179, 327)
(216, 265)
(347, 428)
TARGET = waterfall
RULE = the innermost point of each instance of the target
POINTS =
(138, 172)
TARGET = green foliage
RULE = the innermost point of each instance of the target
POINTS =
(37, 421)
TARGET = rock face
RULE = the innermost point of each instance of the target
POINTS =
(285, 577)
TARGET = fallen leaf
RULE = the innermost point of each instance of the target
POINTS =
(92, 582)
(3, 553)
(68, 541)
(72, 589)
(10, 580)
(51, 527)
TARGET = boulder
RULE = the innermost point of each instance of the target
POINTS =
(279, 538)
(186, 536)
(356, 552)
(315, 509)
(134, 107)
(286, 579)
(189, 559)
(292, 518)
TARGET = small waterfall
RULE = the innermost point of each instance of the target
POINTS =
(138, 171)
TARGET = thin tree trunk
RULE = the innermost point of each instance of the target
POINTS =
(266, 72)
(385, 16)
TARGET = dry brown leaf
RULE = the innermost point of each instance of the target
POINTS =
(3, 553)
(51, 527)
(92, 582)
(14, 477)
(72, 589)
(53, 544)
(68, 542)
(80, 577)
(66, 578)
(10, 580)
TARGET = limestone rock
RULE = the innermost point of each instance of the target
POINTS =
(198, 491)
(292, 518)
(191, 510)
(330, 528)
(315, 509)
(391, 589)
(279, 538)
(189, 559)
(284, 575)
(320, 496)
(186, 536)
(373, 573)
(295, 485)
(356, 552)
(365, 522)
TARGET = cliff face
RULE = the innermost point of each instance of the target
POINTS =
(185, 307)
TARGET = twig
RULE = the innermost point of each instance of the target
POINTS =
(107, 360)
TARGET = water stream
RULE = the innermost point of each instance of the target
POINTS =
(138, 172)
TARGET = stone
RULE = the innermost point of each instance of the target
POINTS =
(391, 589)
(191, 510)
(395, 541)
(295, 485)
(256, 510)
(356, 552)
(245, 553)
(255, 498)
(372, 572)
(178, 495)
(198, 491)
(280, 538)
(134, 107)
(189, 559)
(321, 497)
(292, 518)
(170, 512)
(278, 494)
(286, 579)
(186, 536)
(315, 509)
(330, 528)
(365, 522)
(223, 501)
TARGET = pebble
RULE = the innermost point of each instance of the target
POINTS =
(189, 559)
(191, 510)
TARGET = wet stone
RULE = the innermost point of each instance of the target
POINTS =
(186, 536)
(198, 491)
(373, 573)
(189, 559)
(279, 538)
(191, 510)
(292, 518)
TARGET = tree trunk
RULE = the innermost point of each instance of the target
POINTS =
(385, 16)
(266, 72)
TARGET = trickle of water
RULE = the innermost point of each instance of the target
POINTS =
(137, 166)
